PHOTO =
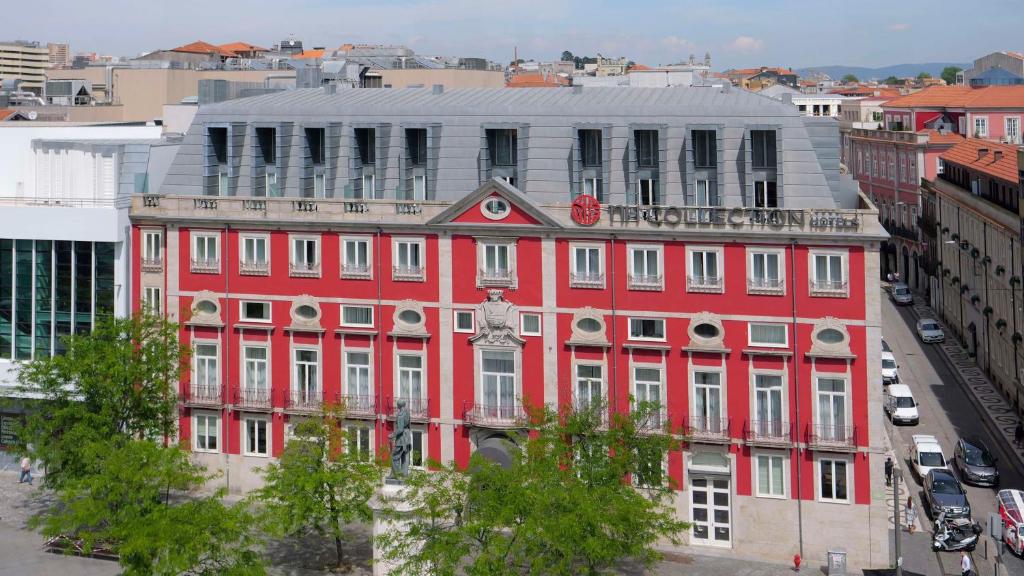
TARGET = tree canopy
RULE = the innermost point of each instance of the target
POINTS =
(949, 74)
(850, 79)
(923, 76)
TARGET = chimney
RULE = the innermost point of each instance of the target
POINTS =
(997, 155)
(438, 89)
(982, 152)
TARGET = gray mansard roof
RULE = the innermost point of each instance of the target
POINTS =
(547, 118)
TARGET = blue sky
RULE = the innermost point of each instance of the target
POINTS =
(737, 32)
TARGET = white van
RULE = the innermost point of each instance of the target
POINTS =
(900, 405)
(927, 455)
(890, 369)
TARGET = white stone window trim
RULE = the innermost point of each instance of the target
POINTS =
(351, 426)
(723, 386)
(404, 327)
(371, 365)
(401, 273)
(308, 270)
(648, 281)
(576, 363)
(699, 341)
(424, 447)
(472, 321)
(373, 318)
(242, 316)
(629, 326)
(293, 365)
(244, 383)
(253, 268)
(482, 279)
(844, 289)
(299, 321)
(590, 279)
(826, 348)
(194, 381)
(750, 335)
(715, 284)
(245, 435)
(352, 270)
(755, 455)
(152, 249)
(195, 430)
(491, 215)
(522, 325)
(205, 265)
(756, 286)
(152, 300)
(850, 476)
(847, 378)
(478, 372)
(583, 337)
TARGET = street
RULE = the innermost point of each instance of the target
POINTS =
(948, 414)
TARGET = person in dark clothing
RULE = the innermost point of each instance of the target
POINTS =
(888, 470)
(1018, 434)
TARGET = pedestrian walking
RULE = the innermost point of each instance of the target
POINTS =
(1018, 434)
(911, 513)
(888, 470)
(26, 471)
(965, 564)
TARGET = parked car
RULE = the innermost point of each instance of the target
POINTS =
(889, 369)
(930, 331)
(943, 493)
(975, 463)
(900, 294)
(900, 405)
(926, 455)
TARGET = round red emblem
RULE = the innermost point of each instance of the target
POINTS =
(586, 210)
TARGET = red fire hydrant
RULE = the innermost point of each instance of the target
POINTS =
(796, 562)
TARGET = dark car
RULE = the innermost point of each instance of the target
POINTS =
(975, 463)
(943, 493)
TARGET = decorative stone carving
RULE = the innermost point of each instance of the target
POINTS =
(588, 328)
(830, 338)
(305, 313)
(206, 310)
(700, 336)
(409, 319)
(497, 321)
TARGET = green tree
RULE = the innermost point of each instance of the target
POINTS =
(579, 497)
(893, 81)
(567, 56)
(923, 76)
(135, 502)
(116, 382)
(850, 79)
(319, 484)
(949, 74)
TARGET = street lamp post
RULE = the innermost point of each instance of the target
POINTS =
(897, 475)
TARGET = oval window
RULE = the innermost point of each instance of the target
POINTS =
(205, 307)
(831, 336)
(588, 325)
(410, 317)
(306, 312)
(495, 208)
(705, 330)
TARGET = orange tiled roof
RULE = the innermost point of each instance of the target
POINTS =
(200, 47)
(6, 113)
(536, 80)
(966, 154)
(310, 54)
(962, 97)
(640, 67)
(936, 137)
(236, 47)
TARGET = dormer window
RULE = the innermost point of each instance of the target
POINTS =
(416, 163)
(366, 160)
(316, 139)
(217, 141)
(267, 175)
(503, 154)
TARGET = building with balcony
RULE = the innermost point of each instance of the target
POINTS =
(695, 248)
(25, 62)
(974, 205)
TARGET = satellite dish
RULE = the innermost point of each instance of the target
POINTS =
(33, 115)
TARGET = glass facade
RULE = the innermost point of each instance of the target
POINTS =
(50, 289)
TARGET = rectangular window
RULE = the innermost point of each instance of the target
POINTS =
(762, 147)
(419, 187)
(357, 378)
(359, 442)
(256, 437)
(646, 148)
(410, 382)
(774, 335)
(529, 324)
(981, 126)
(254, 311)
(254, 382)
(496, 263)
(590, 148)
(766, 194)
(204, 359)
(647, 192)
(315, 139)
(357, 316)
(319, 185)
(768, 415)
(305, 254)
(765, 271)
(464, 321)
(419, 449)
(587, 271)
(152, 248)
(1012, 129)
(369, 188)
(502, 146)
(646, 329)
(705, 193)
(408, 259)
(645, 267)
(498, 379)
(589, 385)
(255, 257)
(355, 258)
(152, 300)
(828, 273)
(705, 148)
(832, 481)
(205, 253)
(366, 140)
(704, 273)
(207, 432)
(831, 410)
(592, 187)
(416, 146)
(306, 380)
(770, 475)
(708, 415)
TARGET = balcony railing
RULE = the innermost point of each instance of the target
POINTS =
(653, 419)
(704, 283)
(205, 265)
(359, 406)
(357, 271)
(306, 400)
(495, 416)
(304, 269)
(644, 282)
(597, 408)
(586, 280)
(832, 437)
(152, 264)
(496, 277)
(258, 398)
(829, 287)
(768, 433)
(253, 268)
(712, 430)
(407, 273)
(418, 408)
(204, 395)
(766, 285)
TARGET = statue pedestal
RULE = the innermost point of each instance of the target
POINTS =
(392, 496)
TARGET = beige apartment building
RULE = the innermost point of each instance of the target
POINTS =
(25, 61)
(60, 54)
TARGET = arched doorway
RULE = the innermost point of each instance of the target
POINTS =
(905, 273)
(913, 274)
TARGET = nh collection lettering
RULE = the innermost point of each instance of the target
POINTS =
(673, 216)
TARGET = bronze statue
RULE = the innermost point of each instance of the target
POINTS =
(401, 443)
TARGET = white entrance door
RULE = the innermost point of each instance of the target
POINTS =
(712, 517)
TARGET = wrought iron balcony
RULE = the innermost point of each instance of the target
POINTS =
(304, 269)
(407, 273)
(502, 416)
(205, 265)
(704, 283)
(419, 410)
(832, 437)
(202, 395)
(495, 277)
(306, 400)
(713, 430)
(356, 271)
(768, 433)
(645, 282)
(835, 288)
(586, 280)
(359, 406)
(153, 264)
(254, 268)
(766, 285)
(254, 398)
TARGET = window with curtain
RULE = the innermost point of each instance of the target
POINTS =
(770, 474)
(498, 378)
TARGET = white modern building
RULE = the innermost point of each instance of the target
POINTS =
(820, 104)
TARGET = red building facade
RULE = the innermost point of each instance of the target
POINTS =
(756, 329)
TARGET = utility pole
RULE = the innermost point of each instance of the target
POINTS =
(897, 475)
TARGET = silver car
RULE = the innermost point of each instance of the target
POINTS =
(900, 294)
(930, 330)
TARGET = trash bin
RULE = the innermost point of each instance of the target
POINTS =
(836, 562)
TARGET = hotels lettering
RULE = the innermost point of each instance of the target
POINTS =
(777, 218)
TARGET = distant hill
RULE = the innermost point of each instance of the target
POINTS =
(898, 70)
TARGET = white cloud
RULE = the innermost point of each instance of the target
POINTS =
(745, 44)
(899, 27)
(676, 43)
